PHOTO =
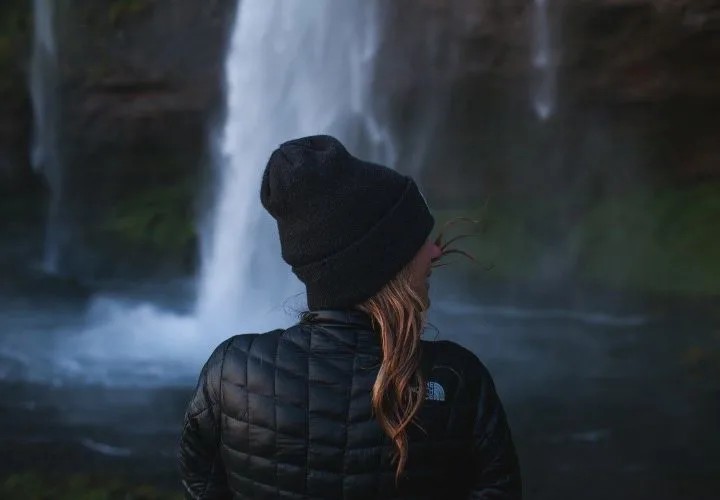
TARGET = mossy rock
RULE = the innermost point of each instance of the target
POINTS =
(656, 241)
(15, 35)
(33, 486)
(121, 11)
(159, 218)
(661, 241)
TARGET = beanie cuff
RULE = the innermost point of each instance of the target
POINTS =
(356, 273)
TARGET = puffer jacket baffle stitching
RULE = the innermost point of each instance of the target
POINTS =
(287, 414)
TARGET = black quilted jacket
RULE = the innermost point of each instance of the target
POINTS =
(287, 414)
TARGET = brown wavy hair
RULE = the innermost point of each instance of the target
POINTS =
(398, 316)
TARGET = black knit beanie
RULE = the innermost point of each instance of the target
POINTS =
(347, 226)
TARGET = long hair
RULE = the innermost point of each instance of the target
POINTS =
(398, 317)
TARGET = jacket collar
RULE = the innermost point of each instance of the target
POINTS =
(340, 317)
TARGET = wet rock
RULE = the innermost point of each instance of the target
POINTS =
(637, 98)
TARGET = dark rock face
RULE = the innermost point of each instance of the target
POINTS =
(141, 89)
(15, 114)
(142, 85)
(642, 51)
(637, 99)
(606, 50)
(141, 79)
(636, 94)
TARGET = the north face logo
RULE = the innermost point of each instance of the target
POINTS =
(434, 392)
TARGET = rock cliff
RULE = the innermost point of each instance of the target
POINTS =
(635, 81)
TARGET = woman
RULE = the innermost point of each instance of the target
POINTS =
(348, 403)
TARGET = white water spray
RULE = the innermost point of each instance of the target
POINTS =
(542, 61)
(294, 69)
(45, 155)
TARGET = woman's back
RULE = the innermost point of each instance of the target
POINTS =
(289, 412)
(350, 403)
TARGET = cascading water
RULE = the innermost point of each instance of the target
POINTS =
(294, 68)
(45, 155)
(544, 93)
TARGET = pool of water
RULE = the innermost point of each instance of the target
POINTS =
(602, 404)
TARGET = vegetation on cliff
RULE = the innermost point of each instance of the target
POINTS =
(32, 486)
(659, 241)
(14, 36)
(160, 218)
(122, 10)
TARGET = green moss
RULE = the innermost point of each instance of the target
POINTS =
(14, 33)
(664, 241)
(32, 486)
(15, 17)
(98, 71)
(7, 49)
(500, 240)
(159, 218)
(121, 10)
(25, 206)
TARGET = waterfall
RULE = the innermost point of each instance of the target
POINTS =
(542, 62)
(293, 69)
(45, 156)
